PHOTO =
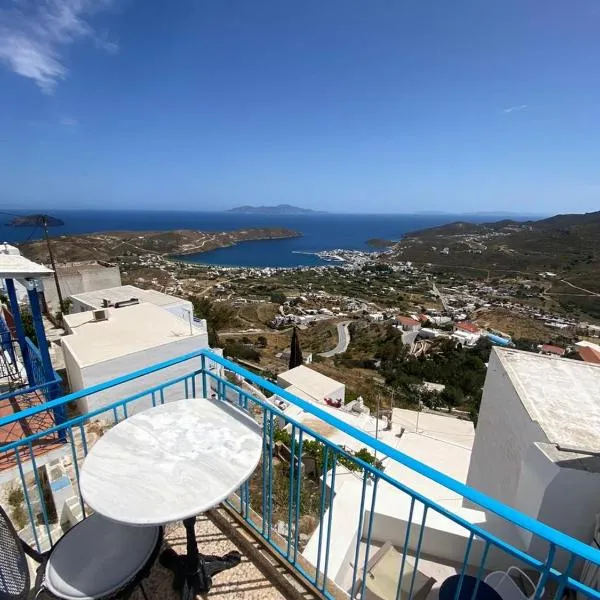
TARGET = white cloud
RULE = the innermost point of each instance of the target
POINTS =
(68, 121)
(35, 33)
(511, 109)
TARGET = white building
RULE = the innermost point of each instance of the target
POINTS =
(375, 317)
(537, 445)
(311, 385)
(78, 278)
(113, 296)
(131, 338)
(464, 338)
(407, 323)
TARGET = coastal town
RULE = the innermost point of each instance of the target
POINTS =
(344, 310)
(388, 349)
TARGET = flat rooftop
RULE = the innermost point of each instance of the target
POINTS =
(553, 390)
(440, 441)
(126, 292)
(127, 330)
(316, 385)
(15, 266)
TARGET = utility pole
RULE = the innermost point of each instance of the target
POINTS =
(60, 298)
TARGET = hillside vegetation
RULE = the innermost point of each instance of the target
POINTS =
(565, 245)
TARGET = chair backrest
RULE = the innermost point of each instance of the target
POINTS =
(505, 585)
(14, 571)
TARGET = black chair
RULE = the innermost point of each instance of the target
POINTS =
(97, 558)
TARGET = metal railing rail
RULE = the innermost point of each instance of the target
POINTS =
(276, 492)
(14, 369)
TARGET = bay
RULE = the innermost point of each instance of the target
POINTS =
(327, 231)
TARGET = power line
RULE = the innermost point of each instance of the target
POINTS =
(35, 228)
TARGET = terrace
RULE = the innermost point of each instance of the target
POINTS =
(285, 519)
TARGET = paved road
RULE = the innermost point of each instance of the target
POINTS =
(343, 340)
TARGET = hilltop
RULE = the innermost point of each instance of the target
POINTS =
(111, 245)
(558, 243)
(567, 247)
(280, 209)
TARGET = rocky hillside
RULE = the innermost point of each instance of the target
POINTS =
(109, 246)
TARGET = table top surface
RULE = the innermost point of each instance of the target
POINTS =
(484, 591)
(171, 462)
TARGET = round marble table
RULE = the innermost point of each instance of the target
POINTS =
(171, 463)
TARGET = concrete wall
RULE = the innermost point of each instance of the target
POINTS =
(77, 306)
(100, 279)
(85, 280)
(503, 435)
(442, 538)
(339, 394)
(117, 367)
(543, 488)
(74, 373)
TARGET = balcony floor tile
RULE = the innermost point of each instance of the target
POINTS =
(248, 581)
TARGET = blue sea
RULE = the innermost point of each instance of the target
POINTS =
(328, 231)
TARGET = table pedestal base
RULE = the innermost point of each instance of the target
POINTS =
(193, 572)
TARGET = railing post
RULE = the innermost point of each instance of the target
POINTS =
(19, 329)
(203, 362)
(7, 340)
(40, 333)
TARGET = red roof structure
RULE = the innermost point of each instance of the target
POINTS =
(466, 326)
(407, 321)
(550, 349)
(589, 355)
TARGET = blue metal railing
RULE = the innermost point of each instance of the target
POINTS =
(38, 376)
(5, 335)
(31, 376)
(49, 388)
(7, 344)
(283, 502)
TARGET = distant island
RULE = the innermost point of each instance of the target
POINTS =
(280, 209)
(35, 221)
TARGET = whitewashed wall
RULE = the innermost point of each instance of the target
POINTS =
(87, 376)
(503, 435)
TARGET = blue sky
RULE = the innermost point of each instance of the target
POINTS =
(343, 105)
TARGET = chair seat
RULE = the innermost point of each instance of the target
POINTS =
(97, 557)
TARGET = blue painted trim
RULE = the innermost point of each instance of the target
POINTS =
(29, 389)
(40, 332)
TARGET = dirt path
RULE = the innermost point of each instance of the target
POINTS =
(580, 288)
